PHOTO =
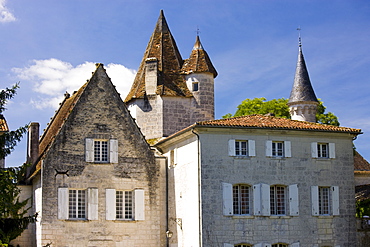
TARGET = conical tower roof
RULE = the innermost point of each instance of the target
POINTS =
(199, 61)
(302, 89)
(161, 47)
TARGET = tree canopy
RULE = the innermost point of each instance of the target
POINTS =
(13, 211)
(279, 107)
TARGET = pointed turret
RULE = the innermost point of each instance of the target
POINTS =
(159, 71)
(302, 101)
(199, 61)
(167, 94)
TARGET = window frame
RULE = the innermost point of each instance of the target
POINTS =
(271, 149)
(321, 153)
(241, 204)
(324, 200)
(278, 208)
(101, 150)
(250, 147)
(111, 151)
(239, 149)
(124, 205)
(80, 209)
(276, 151)
(333, 201)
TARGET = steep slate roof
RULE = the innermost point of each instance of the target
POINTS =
(199, 61)
(266, 122)
(302, 89)
(161, 46)
(360, 163)
(59, 119)
(3, 125)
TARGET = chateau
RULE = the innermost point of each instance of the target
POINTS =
(157, 170)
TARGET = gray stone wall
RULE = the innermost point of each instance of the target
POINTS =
(218, 167)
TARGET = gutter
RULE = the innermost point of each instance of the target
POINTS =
(199, 189)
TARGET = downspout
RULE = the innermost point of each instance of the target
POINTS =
(199, 190)
(167, 216)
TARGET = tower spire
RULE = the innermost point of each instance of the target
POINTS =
(302, 101)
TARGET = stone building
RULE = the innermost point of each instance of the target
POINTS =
(250, 181)
(169, 93)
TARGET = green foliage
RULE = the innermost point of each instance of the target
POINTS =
(12, 211)
(9, 139)
(279, 107)
(13, 219)
(363, 208)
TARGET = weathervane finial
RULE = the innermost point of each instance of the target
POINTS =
(299, 36)
(198, 31)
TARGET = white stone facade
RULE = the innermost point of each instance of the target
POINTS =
(298, 226)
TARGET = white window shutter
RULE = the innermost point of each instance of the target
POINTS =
(332, 150)
(295, 244)
(335, 199)
(293, 200)
(314, 153)
(63, 203)
(113, 146)
(287, 149)
(231, 147)
(251, 147)
(139, 204)
(265, 199)
(110, 204)
(227, 197)
(258, 245)
(257, 199)
(228, 245)
(269, 148)
(89, 149)
(92, 204)
(315, 200)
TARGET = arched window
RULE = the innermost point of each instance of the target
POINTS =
(241, 199)
(243, 245)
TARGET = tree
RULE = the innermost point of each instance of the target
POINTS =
(12, 211)
(279, 107)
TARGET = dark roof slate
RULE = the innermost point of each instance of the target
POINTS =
(199, 61)
(161, 46)
(302, 89)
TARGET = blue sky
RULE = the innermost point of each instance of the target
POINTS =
(52, 46)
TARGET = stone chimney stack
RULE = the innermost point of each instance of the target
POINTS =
(33, 142)
(151, 75)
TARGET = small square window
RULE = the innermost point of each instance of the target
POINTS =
(195, 86)
(100, 150)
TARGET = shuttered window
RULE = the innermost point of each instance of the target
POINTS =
(101, 151)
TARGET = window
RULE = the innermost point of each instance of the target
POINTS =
(125, 205)
(279, 245)
(243, 245)
(242, 148)
(195, 86)
(278, 200)
(278, 148)
(101, 150)
(78, 204)
(241, 199)
(323, 150)
(325, 200)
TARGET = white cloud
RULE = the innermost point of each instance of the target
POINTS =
(51, 78)
(5, 14)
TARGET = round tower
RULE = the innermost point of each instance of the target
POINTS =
(302, 101)
(199, 75)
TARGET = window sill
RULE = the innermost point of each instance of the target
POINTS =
(243, 216)
(242, 157)
(75, 220)
(280, 217)
(325, 216)
(124, 220)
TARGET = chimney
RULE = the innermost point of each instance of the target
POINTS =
(151, 75)
(33, 142)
